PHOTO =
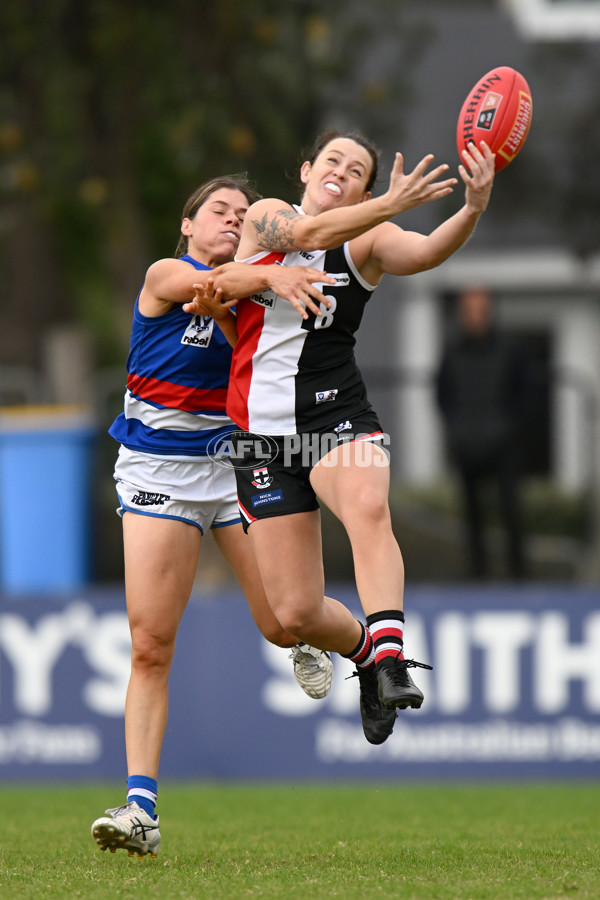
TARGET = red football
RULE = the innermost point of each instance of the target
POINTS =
(498, 111)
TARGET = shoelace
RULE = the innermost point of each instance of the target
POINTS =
(124, 810)
(412, 664)
(398, 674)
(368, 687)
(317, 660)
(119, 809)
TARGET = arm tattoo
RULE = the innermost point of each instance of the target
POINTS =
(278, 232)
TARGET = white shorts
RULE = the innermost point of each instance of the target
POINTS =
(199, 491)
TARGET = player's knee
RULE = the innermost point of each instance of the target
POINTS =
(296, 619)
(278, 636)
(150, 651)
(370, 507)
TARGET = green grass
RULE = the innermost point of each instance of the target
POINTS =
(421, 842)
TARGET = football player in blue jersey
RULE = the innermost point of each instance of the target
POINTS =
(174, 484)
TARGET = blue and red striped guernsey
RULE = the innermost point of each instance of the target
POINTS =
(177, 378)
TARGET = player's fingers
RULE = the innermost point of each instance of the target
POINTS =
(424, 164)
(318, 275)
(319, 296)
(477, 164)
(298, 307)
(322, 299)
(447, 185)
(436, 173)
(312, 307)
(475, 153)
(473, 160)
(438, 193)
(398, 167)
(309, 289)
(316, 302)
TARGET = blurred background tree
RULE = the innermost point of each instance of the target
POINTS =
(111, 113)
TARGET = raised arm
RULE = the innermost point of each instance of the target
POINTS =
(397, 252)
(171, 281)
(274, 225)
(297, 284)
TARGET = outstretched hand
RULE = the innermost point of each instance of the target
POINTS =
(419, 186)
(298, 285)
(478, 175)
(209, 301)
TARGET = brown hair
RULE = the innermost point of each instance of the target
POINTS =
(200, 196)
(331, 134)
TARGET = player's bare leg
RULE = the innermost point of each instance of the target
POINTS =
(353, 480)
(161, 556)
(313, 668)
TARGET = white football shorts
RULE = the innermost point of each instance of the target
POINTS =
(199, 491)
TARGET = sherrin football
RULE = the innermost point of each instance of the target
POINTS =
(498, 111)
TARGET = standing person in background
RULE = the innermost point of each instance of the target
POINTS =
(297, 381)
(483, 390)
(171, 490)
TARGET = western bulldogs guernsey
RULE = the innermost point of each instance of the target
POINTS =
(177, 377)
(291, 375)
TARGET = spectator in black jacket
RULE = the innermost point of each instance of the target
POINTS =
(483, 393)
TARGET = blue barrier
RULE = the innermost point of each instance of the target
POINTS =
(45, 461)
(514, 692)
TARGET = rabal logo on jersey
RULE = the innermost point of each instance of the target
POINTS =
(199, 332)
(266, 298)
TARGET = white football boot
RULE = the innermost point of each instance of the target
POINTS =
(127, 827)
(313, 670)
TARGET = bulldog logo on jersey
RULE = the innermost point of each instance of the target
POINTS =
(326, 396)
(199, 332)
(262, 479)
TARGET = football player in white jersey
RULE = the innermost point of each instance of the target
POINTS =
(317, 399)
(173, 487)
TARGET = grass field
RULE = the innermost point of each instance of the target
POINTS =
(421, 842)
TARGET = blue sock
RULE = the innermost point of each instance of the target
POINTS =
(143, 790)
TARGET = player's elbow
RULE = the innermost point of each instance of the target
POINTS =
(314, 236)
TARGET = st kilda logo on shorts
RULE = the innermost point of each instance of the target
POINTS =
(262, 479)
(488, 110)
